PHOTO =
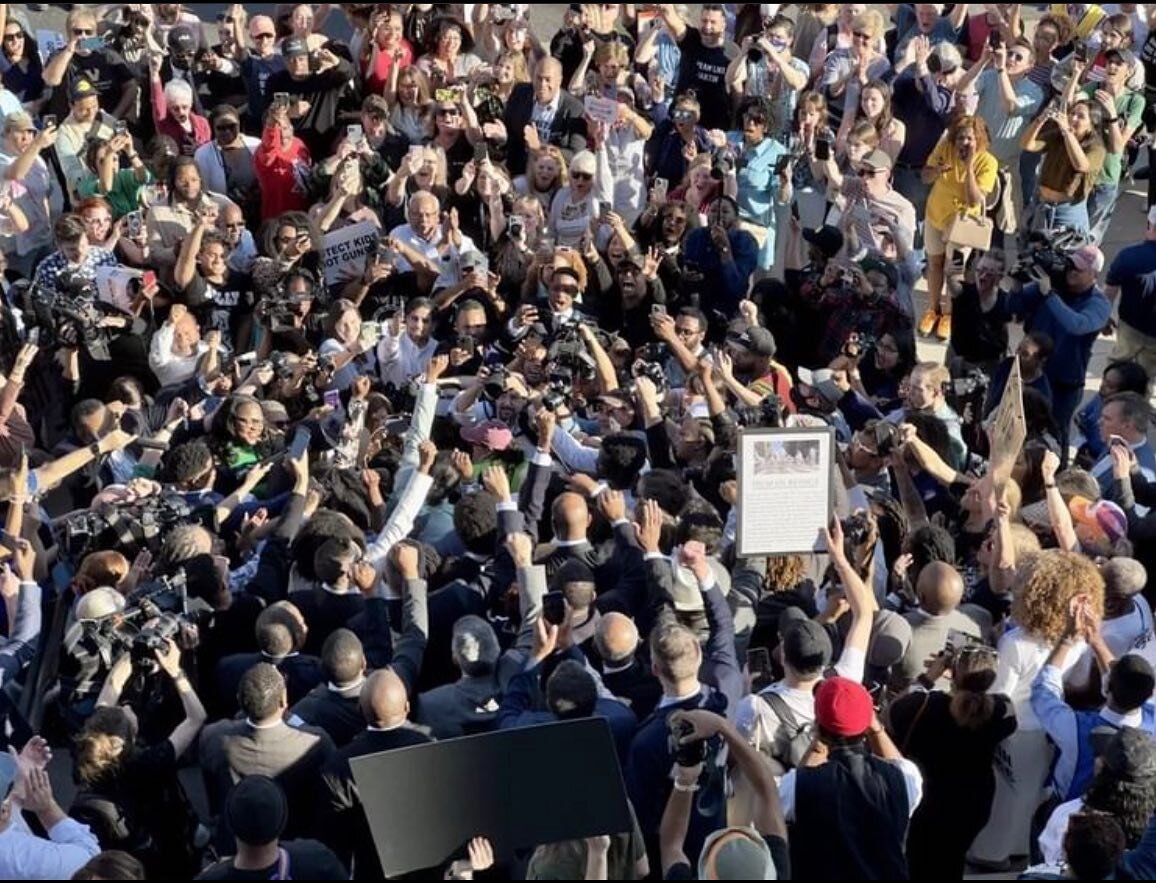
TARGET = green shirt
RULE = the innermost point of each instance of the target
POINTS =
(125, 194)
(1130, 108)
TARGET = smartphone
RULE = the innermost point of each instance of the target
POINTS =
(134, 224)
(121, 127)
(148, 279)
(300, 443)
(995, 39)
(661, 188)
(415, 150)
(34, 336)
(657, 310)
(1081, 52)
(759, 662)
(48, 120)
(90, 44)
(370, 334)
(822, 149)
(481, 152)
(957, 640)
(246, 360)
(554, 608)
(445, 95)
(280, 99)
(354, 134)
(1117, 441)
(784, 161)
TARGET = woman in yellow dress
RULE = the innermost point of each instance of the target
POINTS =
(962, 174)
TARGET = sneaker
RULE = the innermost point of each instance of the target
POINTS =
(943, 328)
(927, 323)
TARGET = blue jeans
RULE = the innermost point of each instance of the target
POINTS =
(1101, 202)
(1049, 216)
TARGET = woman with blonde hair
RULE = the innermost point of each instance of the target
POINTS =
(424, 169)
(962, 175)
(546, 173)
(850, 68)
(1046, 590)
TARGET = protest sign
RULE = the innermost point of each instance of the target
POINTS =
(343, 251)
(785, 490)
(425, 803)
(602, 110)
(1008, 429)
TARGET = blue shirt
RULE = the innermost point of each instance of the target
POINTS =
(1006, 128)
(1134, 272)
(757, 181)
(732, 277)
(1073, 323)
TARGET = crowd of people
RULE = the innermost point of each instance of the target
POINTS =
(369, 393)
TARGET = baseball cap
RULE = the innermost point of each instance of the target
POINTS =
(1123, 577)
(944, 59)
(1126, 56)
(685, 591)
(736, 853)
(1101, 516)
(82, 89)
(19, 121)
(182, 39)
(492, 434)
(257, 810)
(583, 163)
(1130, 754)
(632, 260)
(822, 380)
(878, 265)
(472, 260)
(878, 159)
(828, 239)
(1087, 257)
(756, 340)
(294, 46)
(806, 644)
(99, 603)
(843, 708)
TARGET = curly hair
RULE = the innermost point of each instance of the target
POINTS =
(784, 572)
(1130, 801)
(1043, 598)
(982, 138)
(102, 747)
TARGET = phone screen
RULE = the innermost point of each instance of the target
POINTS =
(300, 443)
(758, 661)
(332, 398)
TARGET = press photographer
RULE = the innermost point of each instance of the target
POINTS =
(1063, 301)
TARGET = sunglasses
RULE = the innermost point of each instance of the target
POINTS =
(568, 290)
(448, 112)
(83, 32)
(755, 119)
(225, 127)
(581, 176)
(16, 35)
(860, 35)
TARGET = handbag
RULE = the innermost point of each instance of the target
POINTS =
(968, 231)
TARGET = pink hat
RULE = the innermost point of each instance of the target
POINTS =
(1088, 257)
(492, 434)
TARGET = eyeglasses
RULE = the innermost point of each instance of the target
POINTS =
(1018, 56)
(285, 240)
(686, 332)
(263, 36)
(581, 176)
(755, 120)
(235, 225)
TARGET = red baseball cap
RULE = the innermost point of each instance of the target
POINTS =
(843, 708)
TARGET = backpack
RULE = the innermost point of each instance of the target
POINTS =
(792, 738)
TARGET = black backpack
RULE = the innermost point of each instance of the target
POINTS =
(792, 738)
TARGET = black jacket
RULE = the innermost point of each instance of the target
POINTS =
(567, 130)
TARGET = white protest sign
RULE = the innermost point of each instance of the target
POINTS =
(343, 251)
(114, 286)
(602, 110)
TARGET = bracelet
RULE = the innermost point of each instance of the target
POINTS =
(685, 789)
(95, 450)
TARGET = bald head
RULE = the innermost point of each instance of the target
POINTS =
(616, 638)
(383, 699)
(940, 588)
(571, 517)
(547, 80)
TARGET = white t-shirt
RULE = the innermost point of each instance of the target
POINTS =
(1021, 656)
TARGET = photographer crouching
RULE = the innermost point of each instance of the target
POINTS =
(1053, 290)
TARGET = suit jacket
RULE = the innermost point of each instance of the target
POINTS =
(302, 673)
(337, 712)
(344, 827)
(293, 756)
(467, 706)
(635, 685)
(326, 612)
(567, 130)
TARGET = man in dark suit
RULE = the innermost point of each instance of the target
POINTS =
(280, 636)
(616, 642)
(334, 705)
(262, 744)
(385, 707)
(546, 113)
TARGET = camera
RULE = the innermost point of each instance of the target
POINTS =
(768, 414)
(515, 227)
(856, 532)
(652, 370)
(495, 383)
(1047, 254)
(128, 528)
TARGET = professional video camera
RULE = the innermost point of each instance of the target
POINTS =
(722, 163)
(652, 370)
(767, 414)
(559, 389)
(128, 529)
(68, 314)
(164, 607)
(568, 350)
(284, 308)
(1048, 254)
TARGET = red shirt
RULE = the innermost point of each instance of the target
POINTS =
(377, 70)
(281, 172)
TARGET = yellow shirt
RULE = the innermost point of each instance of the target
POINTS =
(949, 192)
(1088, 22)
